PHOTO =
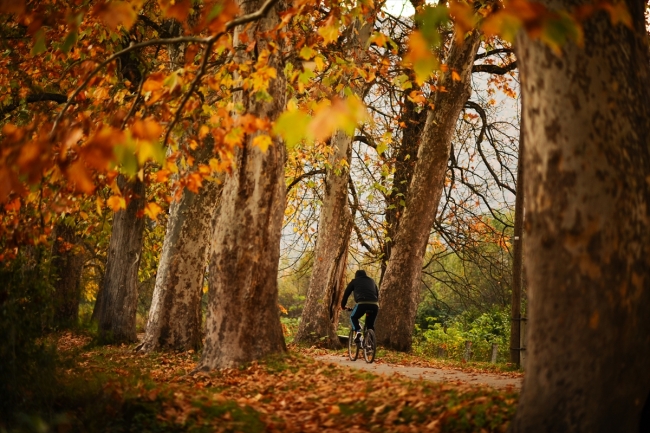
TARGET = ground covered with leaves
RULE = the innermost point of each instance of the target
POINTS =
(111, 388)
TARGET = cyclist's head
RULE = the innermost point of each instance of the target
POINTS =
(360, 273)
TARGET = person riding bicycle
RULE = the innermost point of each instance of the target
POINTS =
(366, 295)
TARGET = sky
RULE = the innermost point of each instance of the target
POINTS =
(399, 7)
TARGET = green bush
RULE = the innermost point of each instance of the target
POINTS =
(482, 331)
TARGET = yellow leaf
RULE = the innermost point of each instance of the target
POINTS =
(262, 141)
(115, 202)
(152, 210)
(329, 33)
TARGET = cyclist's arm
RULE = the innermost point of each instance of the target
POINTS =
(346, 295)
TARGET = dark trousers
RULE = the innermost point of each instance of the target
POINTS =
(370, 310)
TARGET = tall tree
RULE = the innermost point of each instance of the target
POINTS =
(320, 315)
(400, 287)
(243, 321)
(175, 314)
(587, 241)
(115, 309)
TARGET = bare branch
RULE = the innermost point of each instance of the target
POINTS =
(298, 179)
(495, 69)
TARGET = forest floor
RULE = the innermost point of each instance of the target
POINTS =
(111, 388)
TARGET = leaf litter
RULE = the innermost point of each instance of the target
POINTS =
(290, 393)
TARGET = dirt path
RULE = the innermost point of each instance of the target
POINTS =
(432, 374)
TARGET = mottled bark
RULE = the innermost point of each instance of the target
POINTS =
(400, 288)
(115, 308)
(587, 240)
(243, 322)
(67, 264)
(405, 158)
(175, 315)
(320, 315)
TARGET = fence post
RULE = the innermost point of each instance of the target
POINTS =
(522, 343)
(468, 351)
(495, 349)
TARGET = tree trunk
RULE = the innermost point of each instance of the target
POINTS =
(175, 316)
(320, 315)
(400, 289)
(517, 257)
(587, 240)
(243, 322)
(405, 159)
(67, 262)
(117, 302)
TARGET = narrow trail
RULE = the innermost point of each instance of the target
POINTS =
(431, 374)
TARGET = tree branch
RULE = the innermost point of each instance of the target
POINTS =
(495, 69)
(298, 179)
(35, 97)
(209, 41)
(493, 52)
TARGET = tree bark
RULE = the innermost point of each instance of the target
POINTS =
(67, 262)
(320, 315)
(243, 322)
(405, 159)
(400, 289)
(115, 308)
(587, 241)
(175, 316)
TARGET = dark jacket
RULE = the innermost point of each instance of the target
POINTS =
(364, 287)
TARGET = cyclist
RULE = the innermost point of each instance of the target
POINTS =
(366, 295)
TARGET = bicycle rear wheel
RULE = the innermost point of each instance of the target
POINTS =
(353, 348)
(369, 346)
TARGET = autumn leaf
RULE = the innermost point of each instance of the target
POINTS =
(329, 32)
(152, 210)
(421, 57)
(116, 202)
(79, 177)
(262, 141)
(176, 9)
(292, 127)
(147, 129)
(116, 13)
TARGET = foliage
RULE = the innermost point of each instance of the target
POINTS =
(482, 331)
(112, 389)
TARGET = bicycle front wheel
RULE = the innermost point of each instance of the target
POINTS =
(369, 346)
(353, 348)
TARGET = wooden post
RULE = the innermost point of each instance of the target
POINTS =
(517, 259)
(495, 349)
(522, 343)
(468, 351)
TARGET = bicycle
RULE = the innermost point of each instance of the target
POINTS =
(367, 343)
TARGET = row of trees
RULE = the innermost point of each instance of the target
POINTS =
(226, 136)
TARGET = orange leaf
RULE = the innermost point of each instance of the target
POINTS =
(179, 9)
(116, 203)
(154, 82)
(13, 206)
(147, 129)
(78, 175)
(152, 210)
(115, 13)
